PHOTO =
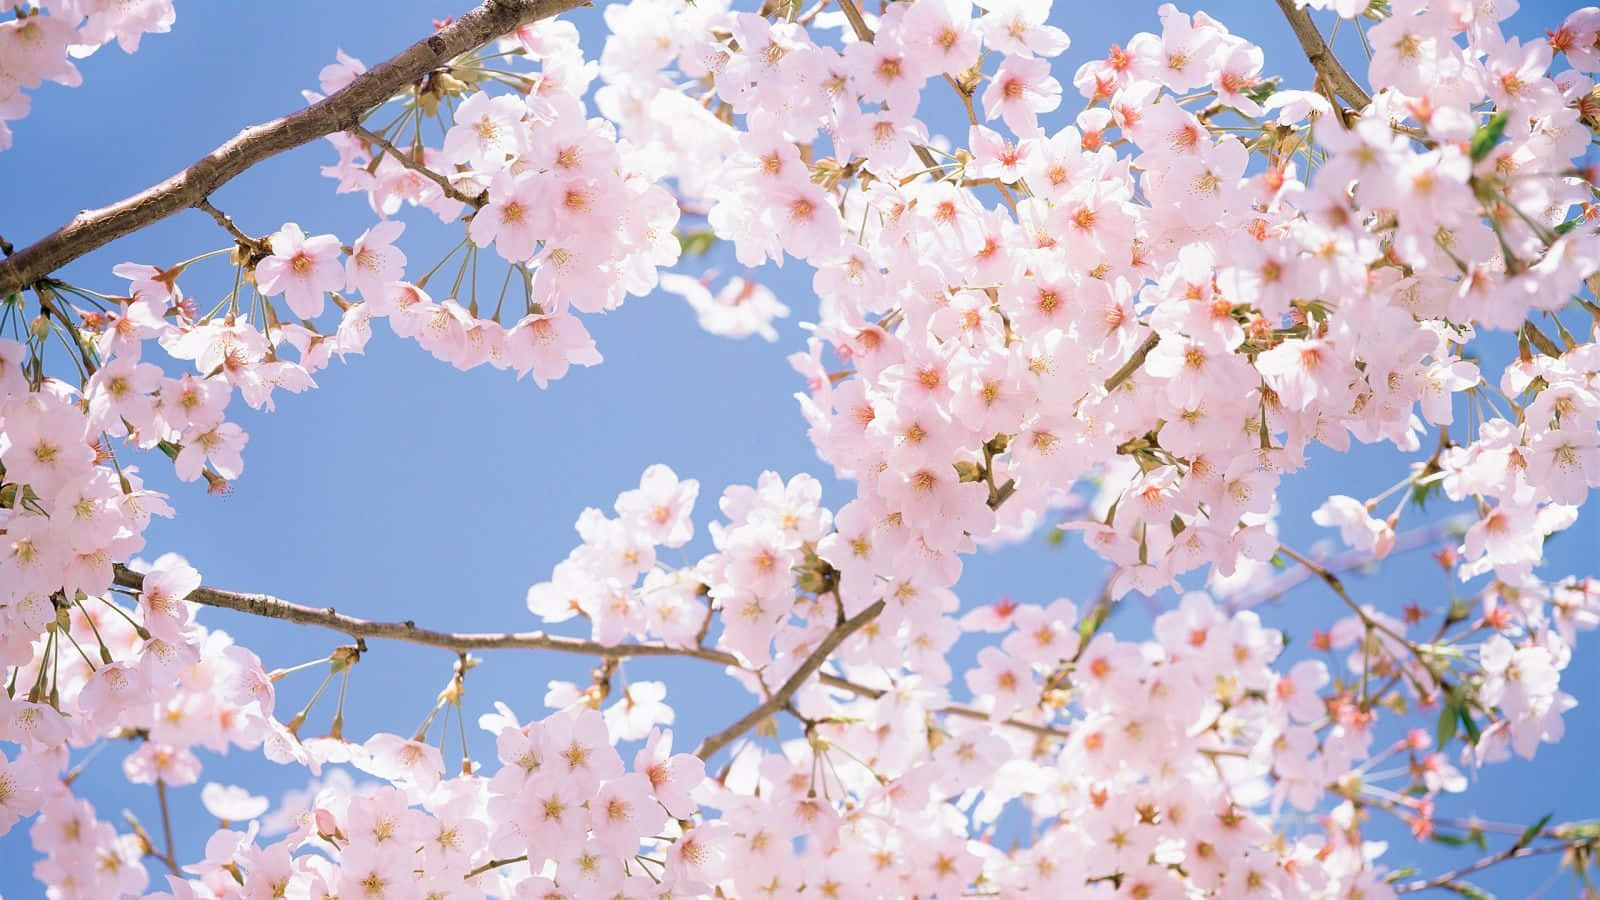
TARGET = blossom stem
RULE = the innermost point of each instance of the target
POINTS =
(405, 159)
(1133, 363)
(225, 221)
(495, 864)
(166, 827)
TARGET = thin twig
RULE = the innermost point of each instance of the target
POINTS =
(1274, 590)
(166, 827)
(1133, 363)
(812, 663)
(1450, 880)
(274, 608)
(226, 222)
(405, 159)
(965, 712)
(494, 864)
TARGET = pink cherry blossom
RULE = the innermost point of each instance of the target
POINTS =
(302, 269)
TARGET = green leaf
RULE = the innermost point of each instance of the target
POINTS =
(1449, 840)
(1483, 143)
(1261, 90)
(1092, 622)
(1468, 723)
(697, 243)
(1531, 832)
(1467, 889)
(1422, 492)
(1446, 728)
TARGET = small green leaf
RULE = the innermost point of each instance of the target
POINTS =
(1532, 832)
(1483, 143)
(1092, 622)
(1469, 724)
(1471, 891)
(1449, 840)
(697, 243)
(1421, 492)
(1260, 91)
(1446, 728)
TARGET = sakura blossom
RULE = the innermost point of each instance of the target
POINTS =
(1129, 320)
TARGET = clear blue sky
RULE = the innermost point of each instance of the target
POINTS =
(403, 488)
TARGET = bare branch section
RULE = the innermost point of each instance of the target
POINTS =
(1328, 67)
(274, 608)
(92, 229)
(270, 607)
(709, 747)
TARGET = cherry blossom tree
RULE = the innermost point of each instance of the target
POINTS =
(1125, 304)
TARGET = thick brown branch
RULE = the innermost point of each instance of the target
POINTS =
(1328, 67)
(92, 229)
(709, 747)
(274, 608)
(857, 23)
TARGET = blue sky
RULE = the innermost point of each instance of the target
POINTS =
(402, 488)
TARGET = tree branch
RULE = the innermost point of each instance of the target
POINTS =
(225, 222)
(274, 608)
(166, 826)
(709, 747)
(271, 607)
(1321, 58)
(1134, 362)
(92, 229)
(965, 712)
(1452, 880)
(1416, 538)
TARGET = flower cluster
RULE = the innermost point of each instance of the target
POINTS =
(571, 209)
(1132, 323)
(39, 44)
